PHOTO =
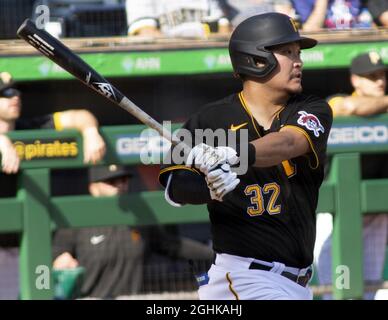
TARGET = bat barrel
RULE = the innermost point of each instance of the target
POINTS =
(56, 51)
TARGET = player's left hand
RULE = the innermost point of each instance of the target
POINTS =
(206, 158)
(221, 181)
(94, 145)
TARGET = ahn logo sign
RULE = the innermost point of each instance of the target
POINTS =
(362, 134)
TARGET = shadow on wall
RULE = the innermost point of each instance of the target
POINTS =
(164, 98)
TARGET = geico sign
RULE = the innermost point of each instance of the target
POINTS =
(138, 145)
(352, 135)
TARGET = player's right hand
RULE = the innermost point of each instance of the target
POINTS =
(94, 145)
(9, 158)
(221, 181)
(65, 261)
(206, 158)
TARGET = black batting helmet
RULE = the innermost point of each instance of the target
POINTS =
(251, 39)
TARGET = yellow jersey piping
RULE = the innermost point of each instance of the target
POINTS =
(231, 286)
(177, 167)
(243, 103)
(310, 142)
(57, 121)
(278, 112)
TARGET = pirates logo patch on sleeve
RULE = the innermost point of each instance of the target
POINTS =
(311, 122)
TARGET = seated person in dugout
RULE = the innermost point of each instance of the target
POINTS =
(10, 111)
(82, 120)
(184, 18)
(368, 78)
(113, 256)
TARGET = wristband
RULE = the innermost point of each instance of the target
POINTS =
(251, 153)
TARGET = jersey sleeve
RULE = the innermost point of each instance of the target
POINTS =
(64, 241)
(313, 119)
(334, 101)
(171, 162)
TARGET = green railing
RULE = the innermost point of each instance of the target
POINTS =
(34, 213)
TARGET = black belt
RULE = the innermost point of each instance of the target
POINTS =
(301, 280)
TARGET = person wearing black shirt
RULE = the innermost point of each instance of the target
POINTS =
(113, 257)
(263, 220)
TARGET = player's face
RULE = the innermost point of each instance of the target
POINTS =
(112, 187)
(288, 74)
(10, 104)
(371, 85)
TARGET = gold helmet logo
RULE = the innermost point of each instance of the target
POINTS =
(374, 57)
(294, 25)
(5, 77)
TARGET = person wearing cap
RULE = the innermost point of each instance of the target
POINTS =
(113, 257)
(10, 112)
(82, 120)
(9, 159)
(368, 78)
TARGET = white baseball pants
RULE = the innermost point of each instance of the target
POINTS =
(231, 279)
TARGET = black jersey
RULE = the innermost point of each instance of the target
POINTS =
(270, 215)
(112, 258)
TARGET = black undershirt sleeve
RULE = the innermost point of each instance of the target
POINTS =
(187, 187)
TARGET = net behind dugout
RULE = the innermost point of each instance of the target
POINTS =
(12, 14)
(88, 18)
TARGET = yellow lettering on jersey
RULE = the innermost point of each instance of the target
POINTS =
(254, 191)
(289, 168)
(275, 189)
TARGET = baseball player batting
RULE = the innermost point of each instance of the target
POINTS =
(263, 221)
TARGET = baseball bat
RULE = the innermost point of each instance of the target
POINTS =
(56, 51)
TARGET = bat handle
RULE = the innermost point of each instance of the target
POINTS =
(132, 108)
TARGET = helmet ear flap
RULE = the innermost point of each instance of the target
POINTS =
(263, 65)
(259, 65)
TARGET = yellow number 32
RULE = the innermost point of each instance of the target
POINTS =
(255, 192)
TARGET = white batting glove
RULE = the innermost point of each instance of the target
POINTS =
(206, 158)
(221, 181)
